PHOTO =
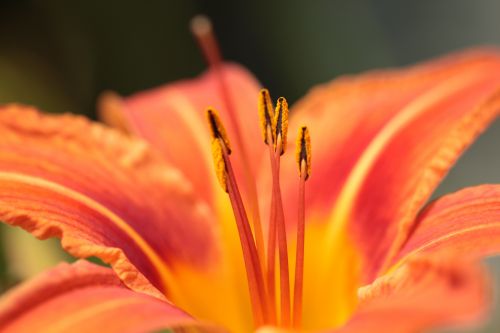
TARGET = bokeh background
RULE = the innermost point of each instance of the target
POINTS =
(60, 55)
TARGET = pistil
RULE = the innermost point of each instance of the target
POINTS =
(202, 30)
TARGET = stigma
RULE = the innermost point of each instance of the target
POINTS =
(262, 258)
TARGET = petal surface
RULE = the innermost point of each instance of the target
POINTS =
(104, 194)
(382, 141)
(425, 293)
(466, 223)
(172, 118)
(84, 297)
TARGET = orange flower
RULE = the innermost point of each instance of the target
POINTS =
(374, 260)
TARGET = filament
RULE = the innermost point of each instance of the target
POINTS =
(271, 246)
(299, 260)
(303, 157)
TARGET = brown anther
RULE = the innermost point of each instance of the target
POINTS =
(303, 151)
(220, 146)
(280, 124)
(266, 114)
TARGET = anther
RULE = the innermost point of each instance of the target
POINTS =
(219, 138)
(217, 130)
(303, 151)
(280, 125)
(266, 114)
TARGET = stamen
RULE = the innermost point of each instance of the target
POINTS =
(202, 29)
(253, 267)
(303, 155)
(281, 124)
(280, 128)
(266, 114)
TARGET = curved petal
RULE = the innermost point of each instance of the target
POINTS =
(105, 195)
(466, 223)
(84, 297)
(382, 141)
(425, 293)
(172, 118)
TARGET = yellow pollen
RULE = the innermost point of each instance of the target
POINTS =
(219, 138)
(280, 124)
(219, 163)
(266, 114)
(303, 150)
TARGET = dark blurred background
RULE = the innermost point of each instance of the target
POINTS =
(60, 55)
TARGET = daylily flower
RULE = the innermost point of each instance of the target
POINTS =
(374, 259)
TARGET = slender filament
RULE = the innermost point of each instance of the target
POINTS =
(282, 242)
(271, 245)
(299, 261)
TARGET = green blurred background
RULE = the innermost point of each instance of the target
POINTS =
(60, 55)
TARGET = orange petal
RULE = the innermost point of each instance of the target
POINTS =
(104, 194)
(466, 223)
(382, 141)
(420, 295)
(172, 119)
(84, 297)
